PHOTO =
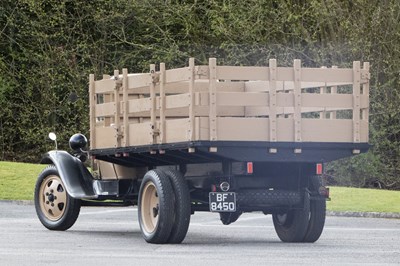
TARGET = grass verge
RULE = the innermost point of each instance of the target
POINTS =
(363, 200)
(17, 182)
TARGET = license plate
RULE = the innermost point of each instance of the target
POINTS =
(222, 201)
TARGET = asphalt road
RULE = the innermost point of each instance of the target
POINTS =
(111, 236)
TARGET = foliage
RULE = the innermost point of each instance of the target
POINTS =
(48, 48)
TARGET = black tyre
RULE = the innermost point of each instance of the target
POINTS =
(182, 206)
(317, 212)
(156, 207)
(55, 208)
(291, 226)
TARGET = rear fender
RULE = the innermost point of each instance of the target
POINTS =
(77, 179)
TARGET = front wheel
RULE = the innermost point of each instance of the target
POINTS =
(55, 209)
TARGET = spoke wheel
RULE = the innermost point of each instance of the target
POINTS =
(55, 209)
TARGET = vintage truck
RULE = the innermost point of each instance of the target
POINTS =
(225, 139)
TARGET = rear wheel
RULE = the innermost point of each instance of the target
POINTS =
(182, 206)
(291, 226)
(317, 212)
(156, 207)
(55, 209)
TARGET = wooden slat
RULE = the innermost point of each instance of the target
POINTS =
(162, 137)
(104, 86)
(141, 134)
(153, 102)
(240, 128)
(139, 105)
(242, 99)
(213, 98)
(327, 130)
(105, 110)
(125, 108)
(178, 74)
(343, 101)
(177, 101)
(272, 101)
(92, 112)
(297, 100)
(139, 81)
(356, 101)
(365, 105)
(191, 100)
(177, 130)
(117, 113)
(326, 75)
(105, 137)
(259, 86)
(242, 73)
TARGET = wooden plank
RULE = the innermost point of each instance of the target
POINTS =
(139, 105)
(104, 86)
(177, 101)
(117, 109)
(260, 86)
(105, 109)
(139, 81)
(191, 99)
(141, 134)
(153, 102)
(162, 137)
(272, 101)
(92, 111)
(177, 130)
(356, 101)
(242, 99)
(125, 108)
(213, 98)
(242, 73)
(326, 75)
(297, 99)
(241, 128)
(105, 137)
(365, 103)
(327, 130)
(183, 87)
(178, 74)
(265, 111)
(342, 101)
(333, 92)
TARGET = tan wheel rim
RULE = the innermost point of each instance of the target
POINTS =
(53, 198)
(150, 207)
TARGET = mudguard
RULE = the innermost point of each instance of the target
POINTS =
(77, 179)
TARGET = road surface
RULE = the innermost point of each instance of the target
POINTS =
(111, 236)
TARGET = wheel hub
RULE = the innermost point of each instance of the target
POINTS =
(50, 197)
(54, 198)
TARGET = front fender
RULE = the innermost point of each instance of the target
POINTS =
(76, 178)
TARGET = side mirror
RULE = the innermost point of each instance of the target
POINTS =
(53, 137)
(78, 142)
